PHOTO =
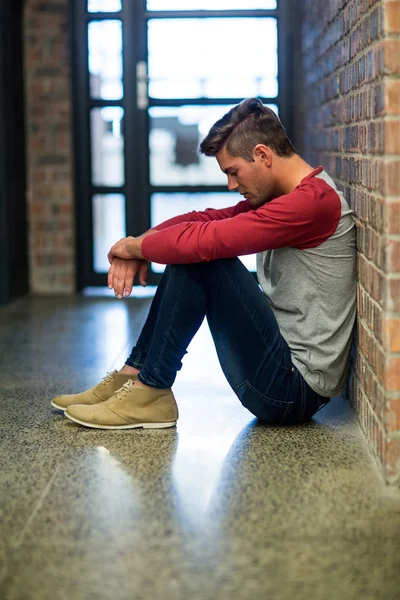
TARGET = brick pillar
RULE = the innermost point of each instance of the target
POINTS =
(49, 146)
(351, 98)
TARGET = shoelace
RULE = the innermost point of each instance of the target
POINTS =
(108, 378)
(125, 389)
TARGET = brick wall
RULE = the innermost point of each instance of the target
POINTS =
(350, 54)
(49, 146)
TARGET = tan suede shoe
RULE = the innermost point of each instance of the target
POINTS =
(99, 393)
(130, 407)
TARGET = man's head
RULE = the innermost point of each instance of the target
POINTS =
(246, 143)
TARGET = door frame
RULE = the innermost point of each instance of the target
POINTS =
(136, 121)
(14, 272)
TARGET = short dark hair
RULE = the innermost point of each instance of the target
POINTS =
(243, 127)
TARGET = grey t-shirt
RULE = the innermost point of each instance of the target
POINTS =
(312, 292)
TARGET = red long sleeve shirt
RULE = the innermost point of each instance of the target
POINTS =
(301, 219)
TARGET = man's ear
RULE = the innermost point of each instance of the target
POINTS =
(263, 153)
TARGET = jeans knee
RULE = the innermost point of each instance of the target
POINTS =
(205, 266)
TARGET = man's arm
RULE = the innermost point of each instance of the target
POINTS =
(302, 219)
(126, 257)
(127, 262)
(209, 214)
(130, 247)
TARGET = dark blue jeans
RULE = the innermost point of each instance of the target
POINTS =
(252, 352)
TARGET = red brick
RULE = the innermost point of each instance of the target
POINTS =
(393, 256)
(391, 12)
(392, 217)
(392, 97)
(392, 56)
(381, 449)
(391, 338)
(392, 135)
(392, 374)
(48, 101)
(375, 211)
(392, 178)
(392, 415)
(392, 460)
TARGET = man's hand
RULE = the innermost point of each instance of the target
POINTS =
(126, 248)
(122, 274)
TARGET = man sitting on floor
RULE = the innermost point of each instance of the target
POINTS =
(283, 345)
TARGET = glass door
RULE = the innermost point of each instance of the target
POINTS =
(160, 73)
(199, 67)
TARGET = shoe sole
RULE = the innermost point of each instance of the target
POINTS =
(64, 408)
(135, 426)
(54, 405)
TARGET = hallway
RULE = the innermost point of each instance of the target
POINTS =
(220, 507)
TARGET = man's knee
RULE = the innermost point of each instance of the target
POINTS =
(206, 266)
(203, 272)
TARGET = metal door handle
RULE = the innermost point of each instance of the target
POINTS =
(142, 79)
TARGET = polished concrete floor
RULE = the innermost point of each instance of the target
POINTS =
(220, 507)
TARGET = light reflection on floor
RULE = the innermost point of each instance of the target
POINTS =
(211, 417)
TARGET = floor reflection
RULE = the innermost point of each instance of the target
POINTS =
(211, 417)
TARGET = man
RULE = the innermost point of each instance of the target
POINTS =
(284, 346)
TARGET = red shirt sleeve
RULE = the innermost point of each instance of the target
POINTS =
(302, 219)
(209, 214)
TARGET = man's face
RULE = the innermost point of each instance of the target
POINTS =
(251, 179)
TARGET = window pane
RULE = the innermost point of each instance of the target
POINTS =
(175, 135)
(107, 146)
(108, 227)
(210, 4)
(105, 59)
(165, 206)
(104, 5)
(178, 70)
